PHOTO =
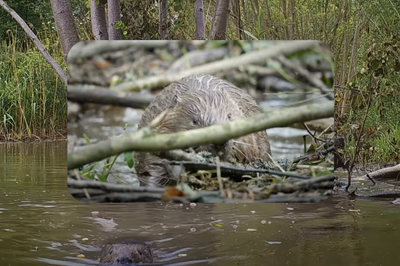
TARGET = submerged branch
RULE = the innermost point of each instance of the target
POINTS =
(105, 192)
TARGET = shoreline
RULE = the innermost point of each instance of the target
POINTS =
(33, 139)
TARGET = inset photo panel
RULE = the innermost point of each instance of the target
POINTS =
(200, 121)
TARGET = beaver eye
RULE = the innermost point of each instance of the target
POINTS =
(195, 122)
(229, 116)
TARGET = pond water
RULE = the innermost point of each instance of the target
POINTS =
(41, 224)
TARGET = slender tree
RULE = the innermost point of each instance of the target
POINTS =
(163, 14)
(38, 44)
(98, 19)
(114, 16)
(220, 21)
(65, 24)
(292, 14)
(285, 16)
(237, 15)
(200, 23)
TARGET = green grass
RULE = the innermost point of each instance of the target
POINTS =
(381, 135)
(33, 99)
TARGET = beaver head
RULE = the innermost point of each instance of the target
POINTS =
(126, 254)
(202, 108)
(196, 102)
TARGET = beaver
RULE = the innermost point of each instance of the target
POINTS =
(194, 102)
(127, 254)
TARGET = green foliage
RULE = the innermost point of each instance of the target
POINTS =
(377, 72)
(121, 26)
(32, 12)
(378, 75)
(129, 159)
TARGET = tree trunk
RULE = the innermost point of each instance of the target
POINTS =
(292, 13)
(352, 65)
(163, 13)
(354, 51)
(98, 18)
(342, 79)
(200, 23)
(65, 24)
(113, 17)
(269, 21)
(220, 21)
(285, 16)
(333, 33)
(38, 44)
(238, 17)
(244, 11)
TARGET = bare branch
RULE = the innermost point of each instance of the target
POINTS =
(254, 57)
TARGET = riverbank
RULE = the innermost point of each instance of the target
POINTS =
(27, 139)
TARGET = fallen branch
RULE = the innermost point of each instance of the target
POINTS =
(89, 49)
(105, 192)
(389, 175)
(101, 95)
(312, 183)
(230, 170)
(146, 140)
(254, 57)
(308, 76)
(196, 58)
(309, 157)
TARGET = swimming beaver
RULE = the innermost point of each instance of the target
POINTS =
(127, 254)
(195, 102)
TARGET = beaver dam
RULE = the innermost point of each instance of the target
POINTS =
(203, 139)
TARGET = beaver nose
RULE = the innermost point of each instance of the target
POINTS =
(125, 260)
(218, 149)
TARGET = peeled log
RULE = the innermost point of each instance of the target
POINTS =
(389, 175)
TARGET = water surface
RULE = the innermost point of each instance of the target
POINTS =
(41, 224)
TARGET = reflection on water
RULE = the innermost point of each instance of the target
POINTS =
(41, 224)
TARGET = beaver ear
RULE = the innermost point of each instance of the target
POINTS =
(175, 100)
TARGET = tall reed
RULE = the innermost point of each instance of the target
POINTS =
(33, 100)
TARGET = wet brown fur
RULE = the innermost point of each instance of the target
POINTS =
(195, 102)
(126, 254)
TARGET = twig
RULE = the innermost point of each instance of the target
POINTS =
(225, 170)
(316, 154)
(221, 187)
(311, 134)
(78, 177)
(350, 169)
